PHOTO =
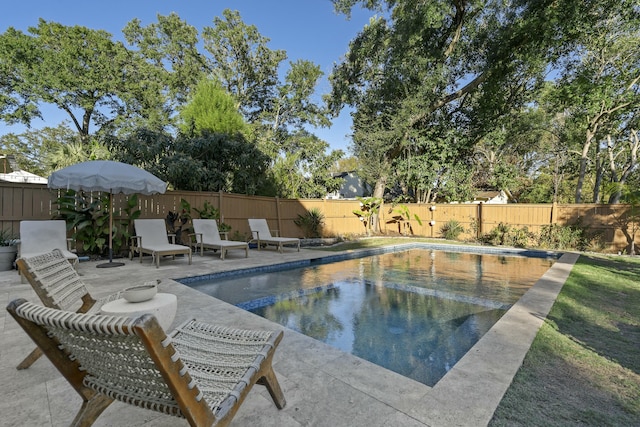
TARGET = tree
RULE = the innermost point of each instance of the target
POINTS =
(33, 149)
(205, 162)
(437, 75)
(242, 62)
(170, 66)
(211, 109)
(79, 70)
(279, 112)
(600, 85)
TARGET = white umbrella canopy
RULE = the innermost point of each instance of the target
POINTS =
(108, 176)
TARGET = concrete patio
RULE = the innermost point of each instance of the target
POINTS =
(322, 385)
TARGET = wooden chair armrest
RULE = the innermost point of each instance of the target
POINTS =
(172, 238)
(70, 246)
(198, 236)
(224, 234)
(276, 233)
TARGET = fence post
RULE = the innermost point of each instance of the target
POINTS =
(220, 206)
(278, 219)
(479, 219)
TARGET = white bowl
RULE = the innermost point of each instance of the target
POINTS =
(141, 293)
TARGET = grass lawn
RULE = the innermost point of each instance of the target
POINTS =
(583, 367)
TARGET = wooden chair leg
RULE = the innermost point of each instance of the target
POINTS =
(30, 359)
(91, 410)
(270, 381)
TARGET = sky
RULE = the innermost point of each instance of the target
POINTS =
(305, 29)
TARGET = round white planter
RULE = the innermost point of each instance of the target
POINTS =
(7, 256)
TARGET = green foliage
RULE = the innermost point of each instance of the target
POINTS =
(451, 230)
(303, 171)
(403, 211)
(87, 217)
(368, 212)
(211, 162)
(506, 235)
(129, 97)
(178, 223)
(208, 211)
(34, 148)
(80, 70)
(559, 237)
(211, 110)
(72, 152)
(311, 223)
(89, 220)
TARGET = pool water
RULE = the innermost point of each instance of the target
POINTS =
(415, 312)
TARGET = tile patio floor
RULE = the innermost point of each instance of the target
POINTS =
(323, 386)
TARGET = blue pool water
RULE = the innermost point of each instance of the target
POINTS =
(415, 312)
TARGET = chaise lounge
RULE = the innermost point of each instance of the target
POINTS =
(199, 372)
(151, 238)
(262, 235)
(207, 236)
(39, 237)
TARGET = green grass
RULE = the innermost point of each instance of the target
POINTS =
(583, 368)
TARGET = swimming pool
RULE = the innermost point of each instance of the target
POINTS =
(415, 312)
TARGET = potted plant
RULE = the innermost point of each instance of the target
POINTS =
(8, 250)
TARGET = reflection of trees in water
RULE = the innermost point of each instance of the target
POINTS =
(308, 314)
(417, 336)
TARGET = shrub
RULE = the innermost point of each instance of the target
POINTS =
(311, 222)
(451, 230)
(89, 219)
(504, 235)
(575, 236)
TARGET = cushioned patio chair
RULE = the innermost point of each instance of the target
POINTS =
(39, 237)
(59, 286)
(262, 235)
(207, 236)
(152, 238)
(199, 372)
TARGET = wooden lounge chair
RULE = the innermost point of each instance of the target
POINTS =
(59, 286)
(151, 238)
(39, 237)
(207, 236)
(262, 235)
(199, 372)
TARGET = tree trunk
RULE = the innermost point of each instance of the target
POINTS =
(630, 165)
(584, 159)
(381, 185)
(599, 175)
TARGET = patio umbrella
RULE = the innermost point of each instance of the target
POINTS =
(106, 175)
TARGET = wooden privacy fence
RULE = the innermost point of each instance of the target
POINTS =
(32, 202)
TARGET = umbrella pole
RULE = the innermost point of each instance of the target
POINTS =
(110, 263)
